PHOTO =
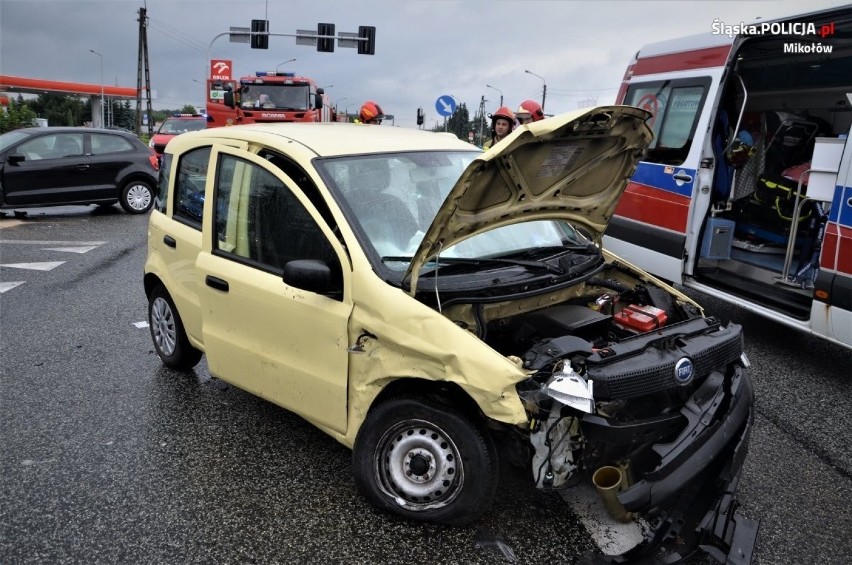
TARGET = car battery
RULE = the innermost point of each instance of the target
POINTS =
(718, 237)
(642, 318)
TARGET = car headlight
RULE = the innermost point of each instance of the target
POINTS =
(570, 389)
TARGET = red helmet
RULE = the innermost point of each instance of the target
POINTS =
(533, 108)
(371, 111)
(503, 112)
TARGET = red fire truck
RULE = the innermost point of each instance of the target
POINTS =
(265, 97)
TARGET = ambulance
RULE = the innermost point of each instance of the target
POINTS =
(745, 193)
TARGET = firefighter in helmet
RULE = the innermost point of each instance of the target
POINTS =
(529, 111)
(502, 122)
(371, 113)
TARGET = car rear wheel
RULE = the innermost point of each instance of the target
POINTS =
(170, 341)
(137, 197)
(425, 462)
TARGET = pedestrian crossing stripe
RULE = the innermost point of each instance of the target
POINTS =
(4, 286)
(43, 266)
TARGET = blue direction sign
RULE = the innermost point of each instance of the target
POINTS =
(446, 105)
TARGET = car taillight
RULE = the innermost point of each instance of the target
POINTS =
(155, 160)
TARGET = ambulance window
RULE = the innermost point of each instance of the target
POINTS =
(675, 106)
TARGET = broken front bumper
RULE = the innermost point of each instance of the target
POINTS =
(689, 495)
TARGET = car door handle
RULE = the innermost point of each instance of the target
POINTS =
(216, 282)
(82, 167)
(682, 176)
(170, 241)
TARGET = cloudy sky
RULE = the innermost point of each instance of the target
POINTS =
(424, 48)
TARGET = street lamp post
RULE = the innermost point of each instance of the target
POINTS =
(284, 63)
(498, 90)
(337, 103)
(102, 85)
(544, 90)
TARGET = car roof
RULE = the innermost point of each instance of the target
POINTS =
(74, 129)
(330, 139)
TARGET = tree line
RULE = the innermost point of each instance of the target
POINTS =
(70, 110)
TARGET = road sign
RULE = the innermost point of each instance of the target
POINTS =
(445, 105)
(240, 35)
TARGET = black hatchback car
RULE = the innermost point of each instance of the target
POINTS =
(51, 166)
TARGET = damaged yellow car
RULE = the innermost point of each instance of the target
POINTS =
(434, 308)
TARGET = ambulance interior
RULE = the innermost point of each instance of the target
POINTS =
(787, 118)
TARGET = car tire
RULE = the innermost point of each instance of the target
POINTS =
(167, 333)
(425, 461)
(137, 197)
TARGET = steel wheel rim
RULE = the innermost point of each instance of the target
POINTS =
(419, 466)
(138, 197)
(163, 326)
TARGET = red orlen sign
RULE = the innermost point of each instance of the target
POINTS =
(220, 69)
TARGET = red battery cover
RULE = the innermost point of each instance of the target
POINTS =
(642, 318)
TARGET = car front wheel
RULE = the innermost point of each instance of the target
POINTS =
(137, 197)
(170, 341)
(425, 462)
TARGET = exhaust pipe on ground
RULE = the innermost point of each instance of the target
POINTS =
(609, 481)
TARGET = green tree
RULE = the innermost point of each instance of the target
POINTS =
(61, 109)
(459, 122)
(17, 115)
(123, 115)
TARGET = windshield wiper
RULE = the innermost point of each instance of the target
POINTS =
(403, 258)
(478, 262)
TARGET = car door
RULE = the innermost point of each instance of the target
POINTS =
(110, 156)
(653, 225)
(283, 343)
(54, 170)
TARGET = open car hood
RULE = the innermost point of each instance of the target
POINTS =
(571, 167)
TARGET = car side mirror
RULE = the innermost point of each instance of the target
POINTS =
(308, 274)
(16, 158)
(318, 101)
(228, 98)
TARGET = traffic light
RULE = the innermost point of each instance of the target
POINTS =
(260, 40)
(325, 45)
(367, 47)
(419, 116)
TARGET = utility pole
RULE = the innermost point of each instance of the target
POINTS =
(142, 68)
(481, 118)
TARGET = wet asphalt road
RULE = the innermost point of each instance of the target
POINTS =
(107, 457)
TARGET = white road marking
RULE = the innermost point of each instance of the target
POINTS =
(613, 538)
(4, 286)
(43, 266)
(42, 242)
(72, 249)
(140, 325)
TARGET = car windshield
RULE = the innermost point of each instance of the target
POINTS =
(276, 96)
(394, 198)
(10, 138)
(182, 126)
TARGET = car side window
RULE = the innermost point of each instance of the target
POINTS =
(103, 143)
(259, 220)
(189, 186)
(53, 146)
(164, 176)
(675, 106)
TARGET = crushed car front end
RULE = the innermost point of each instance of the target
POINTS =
(671, 410)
